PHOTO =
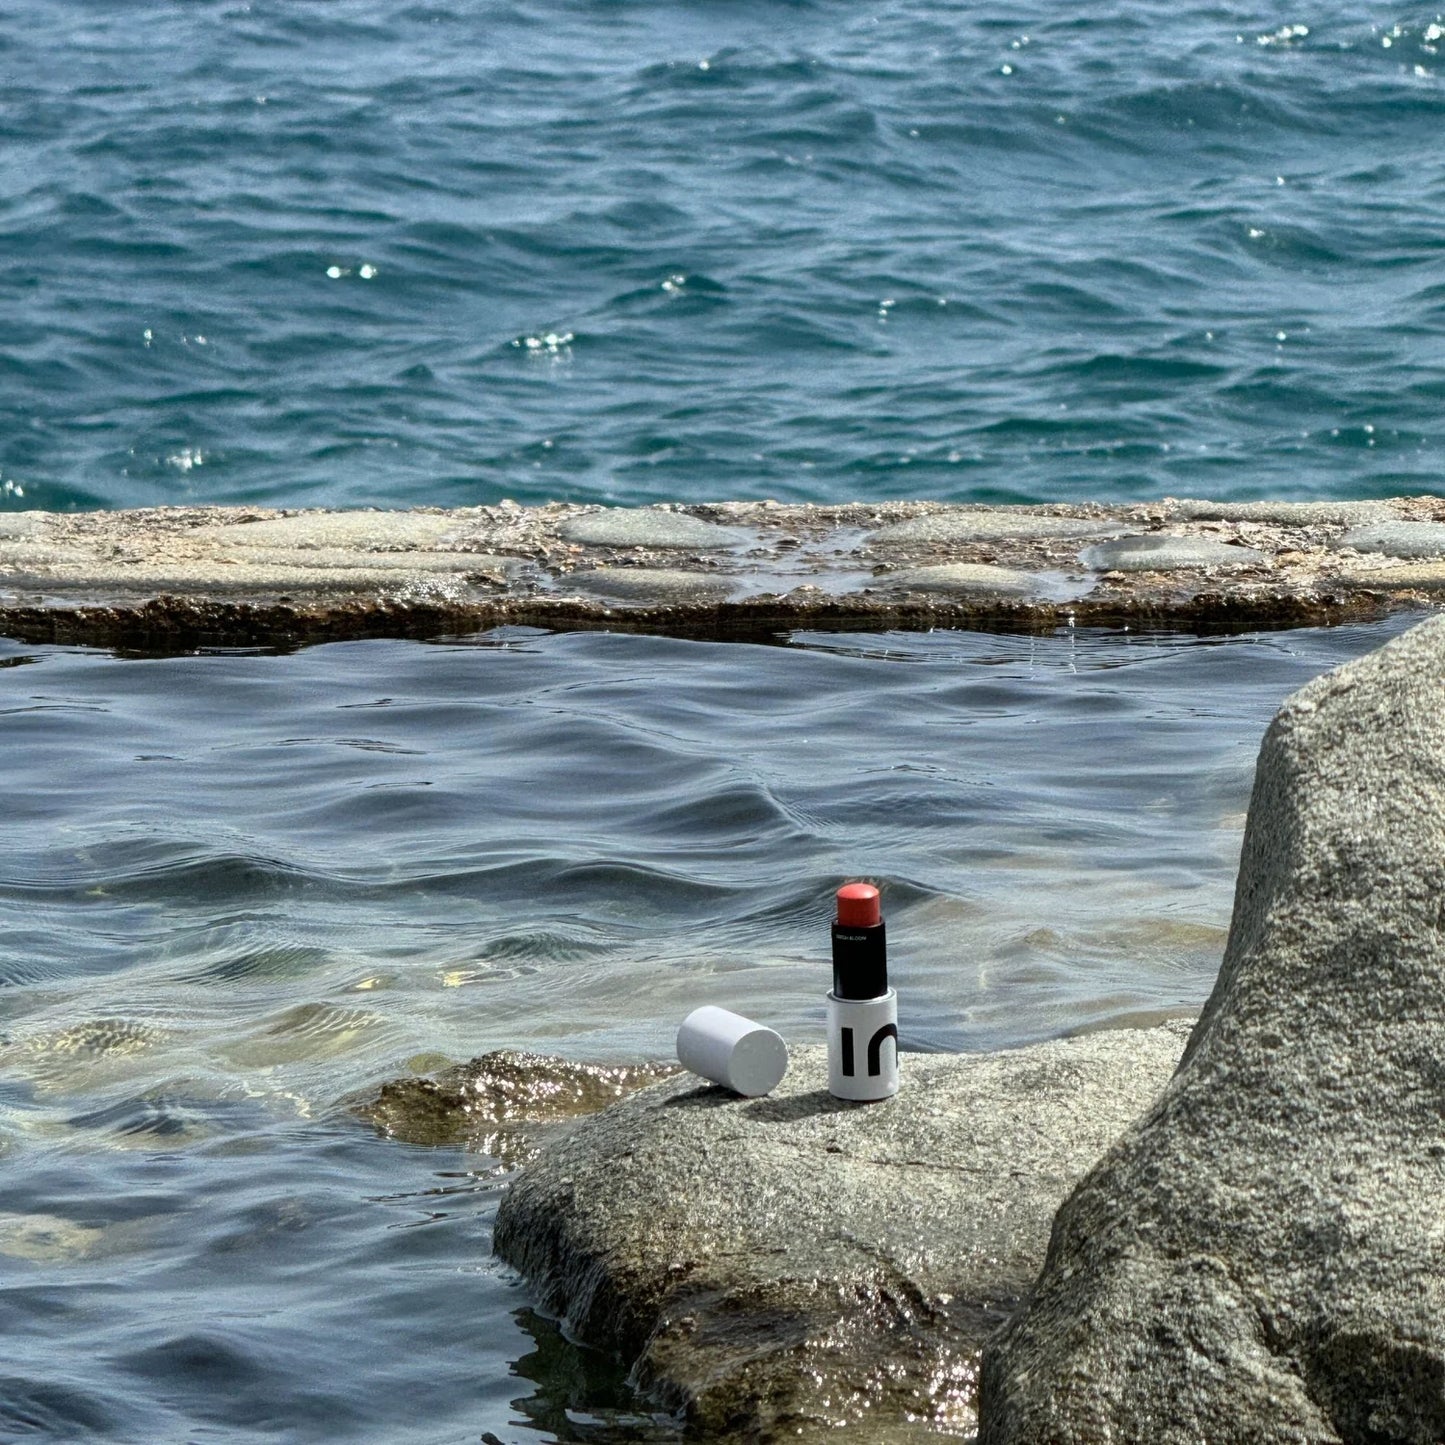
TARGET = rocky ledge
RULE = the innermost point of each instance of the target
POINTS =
(1259, 1260)
(189, 576)
(796, 1267)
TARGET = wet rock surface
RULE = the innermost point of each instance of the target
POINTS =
(646, 527)
(652, 584)
(796, 1267)
(1259, 1258)
(1398, 539)
(970, 526)
(1414, 576)
(1164, 553)
(499, 1103)
(181, 577)
(1293, 514)
(22, 524)
(963, 577)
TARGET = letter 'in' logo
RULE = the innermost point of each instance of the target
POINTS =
(875, 1050)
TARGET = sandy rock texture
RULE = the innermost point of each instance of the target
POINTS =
(1261, 1258)
(794, 1267)
(180, 577)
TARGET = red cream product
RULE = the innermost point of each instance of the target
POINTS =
(862, 1009)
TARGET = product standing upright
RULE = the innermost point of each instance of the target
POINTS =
(862, 1009)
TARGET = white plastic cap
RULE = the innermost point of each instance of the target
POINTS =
(732, 1051)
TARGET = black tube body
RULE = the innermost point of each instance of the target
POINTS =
(860, 961)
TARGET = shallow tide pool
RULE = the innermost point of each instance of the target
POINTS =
(237, 890)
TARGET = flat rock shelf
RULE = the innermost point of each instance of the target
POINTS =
(798, 1268)
(186, 576)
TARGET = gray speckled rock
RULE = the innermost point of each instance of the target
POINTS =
(1156, 552)
(963, 577)
(1259, 1260)
(991, 526)
(646, 527)
(1398, 539)
(649, 585)
(798, 1267)
(1287, 514)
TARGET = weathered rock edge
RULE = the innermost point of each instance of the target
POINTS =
(180, 577)
(795, 1265)
(1262, 1257)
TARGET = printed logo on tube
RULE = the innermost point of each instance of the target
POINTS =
(875, 1049)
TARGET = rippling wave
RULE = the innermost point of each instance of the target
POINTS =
(379, 254)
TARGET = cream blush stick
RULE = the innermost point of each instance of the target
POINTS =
(862, 1009)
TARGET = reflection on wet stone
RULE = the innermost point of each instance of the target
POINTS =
(967, 526)
(1160, 553)
(644, 527)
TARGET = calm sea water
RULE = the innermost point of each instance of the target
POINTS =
(237, 889)
(364, 253)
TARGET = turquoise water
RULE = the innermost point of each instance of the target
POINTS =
(355, 253)
(238, 890)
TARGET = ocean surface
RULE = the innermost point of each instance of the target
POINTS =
(345, 252)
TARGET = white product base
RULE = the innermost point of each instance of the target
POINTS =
(863, 1047)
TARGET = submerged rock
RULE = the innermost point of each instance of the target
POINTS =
(1259, 1259)
(792, 1265)
(493, 1103)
